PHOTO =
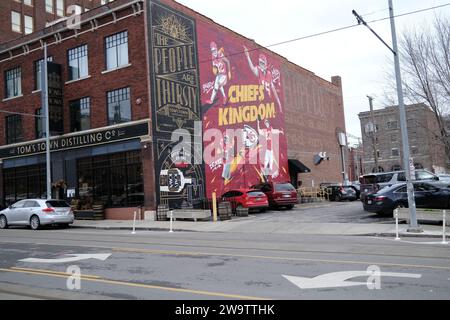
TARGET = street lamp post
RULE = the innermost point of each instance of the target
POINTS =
(44, 100)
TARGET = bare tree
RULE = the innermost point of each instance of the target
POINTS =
(425, 66)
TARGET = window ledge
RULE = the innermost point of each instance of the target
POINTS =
(12, 98)
(79, 79)
(118, 68)
(36, 91)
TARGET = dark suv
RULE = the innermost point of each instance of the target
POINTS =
(279, 194)
(338, 192)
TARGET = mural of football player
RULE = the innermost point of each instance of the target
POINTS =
(268, 132)
(264, 75)
(222, 70)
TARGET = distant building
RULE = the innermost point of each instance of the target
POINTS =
(384, 137)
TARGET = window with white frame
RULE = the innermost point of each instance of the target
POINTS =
(78, 62)
(60, 8)
(28, 24)
(49, 6)
(28, 2)
(116, 50)
(16, 24)
(13, 81)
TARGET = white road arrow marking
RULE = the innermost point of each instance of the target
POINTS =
(74, 257)
(338, 279)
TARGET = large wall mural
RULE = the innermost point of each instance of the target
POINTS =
(242, 99)
(175, 106)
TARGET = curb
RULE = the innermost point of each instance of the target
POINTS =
(381, 235)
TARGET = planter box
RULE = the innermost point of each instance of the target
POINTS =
(425, 215)
(191, 214)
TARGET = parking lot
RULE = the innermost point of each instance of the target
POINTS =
(326, 212)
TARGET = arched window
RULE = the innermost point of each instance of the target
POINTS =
(418, 166)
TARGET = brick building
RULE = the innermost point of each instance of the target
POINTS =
(131, 76)
(426, 150)
(21, 17)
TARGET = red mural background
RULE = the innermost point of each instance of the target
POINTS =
(242, 109)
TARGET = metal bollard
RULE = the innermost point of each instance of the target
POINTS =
(396, 224)
(134, 223)
(444, 213)
(171, 219)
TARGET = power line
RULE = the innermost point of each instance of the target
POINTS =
(331, 31)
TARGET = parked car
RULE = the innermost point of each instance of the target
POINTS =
(246, 198)
(427, 195)
(36, 213)
(339, 192)
(372, 182)
(279, 194)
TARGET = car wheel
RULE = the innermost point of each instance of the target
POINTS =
(64, 225)
(289, 207)
(337, 198)
(3, 222)
(35, 223)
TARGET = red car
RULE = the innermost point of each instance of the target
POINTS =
(246, 198)
(279, 194)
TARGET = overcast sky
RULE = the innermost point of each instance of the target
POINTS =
(355, 54)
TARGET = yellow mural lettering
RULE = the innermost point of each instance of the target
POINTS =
(246, 93)
(242, 114)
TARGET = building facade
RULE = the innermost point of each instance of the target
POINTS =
(140, 92)
(382, 135)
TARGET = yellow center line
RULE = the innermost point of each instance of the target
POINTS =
(190, 253)
(51, 273)
(54, 272)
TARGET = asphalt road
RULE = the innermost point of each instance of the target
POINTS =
(329, 212)
(201, 266)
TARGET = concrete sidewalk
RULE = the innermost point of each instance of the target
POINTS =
(249, 225)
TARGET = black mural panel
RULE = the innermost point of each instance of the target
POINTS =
(55, 99)
(175, 107)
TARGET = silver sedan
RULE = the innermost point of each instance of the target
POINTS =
(36, 212)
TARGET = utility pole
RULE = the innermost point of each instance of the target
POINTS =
(403, 127)
(374, 134)
(44, 99)
(413, 227)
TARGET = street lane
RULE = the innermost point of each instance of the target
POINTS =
(158, 265)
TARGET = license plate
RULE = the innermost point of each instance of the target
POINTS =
(286, 195)
(369, 201)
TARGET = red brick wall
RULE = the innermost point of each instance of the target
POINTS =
(95, 87)
(122, 213)
(314, 110)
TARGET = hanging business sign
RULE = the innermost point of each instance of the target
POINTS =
(76, 141)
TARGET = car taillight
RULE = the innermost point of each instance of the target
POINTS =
(48, 210)
(381, 198)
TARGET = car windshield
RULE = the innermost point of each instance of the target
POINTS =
(57, 204)
(284, 187)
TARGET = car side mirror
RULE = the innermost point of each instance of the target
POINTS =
(10, 207)
(436, 178)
